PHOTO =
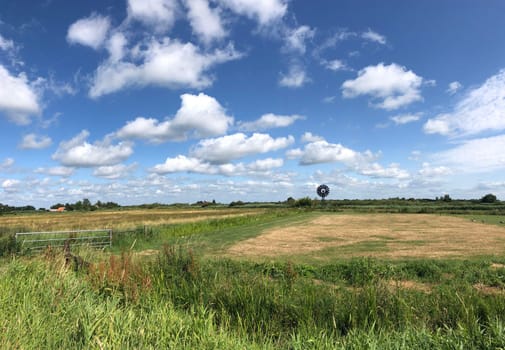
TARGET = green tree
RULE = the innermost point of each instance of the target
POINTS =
(489, 198)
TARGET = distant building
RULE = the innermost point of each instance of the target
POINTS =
(59, 210)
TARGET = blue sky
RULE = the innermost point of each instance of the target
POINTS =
(141, 101)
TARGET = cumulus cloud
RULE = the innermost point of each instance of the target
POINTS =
(374, 36)
(113, 172)
(6, 45)
(270, 121)
(56, 171)
(18, 99)
(393, 85)
(263, 11)
(310, 137)
(296, 38)
(33, 141)
(430, 171)
(6, 163)
(475, 156)
(205, 21)
(158, 14)
(77, 152)
(167, 63)
(405, 118)
(198, 166)
(90, 31)
(224, 149)
(116, 45)
(295, 78)
(480, 109)
(199, 116)
(321, 151)
(335, 65)
(11, 185)
(375, 170)
(454, 87)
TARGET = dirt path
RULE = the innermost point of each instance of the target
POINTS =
(380, 235)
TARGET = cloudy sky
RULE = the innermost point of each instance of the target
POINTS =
(141, 101)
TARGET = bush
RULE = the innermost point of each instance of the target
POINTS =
(8, 245)
(304, 202)
(489, 198)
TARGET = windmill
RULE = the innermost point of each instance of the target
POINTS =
(323, 191)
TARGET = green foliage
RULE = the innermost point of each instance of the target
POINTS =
(180, 301)
(8, 244)
(305, 202)
(489, 198)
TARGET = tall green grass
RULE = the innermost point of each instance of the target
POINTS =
(180, 300)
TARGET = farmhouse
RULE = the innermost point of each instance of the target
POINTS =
(59, 210)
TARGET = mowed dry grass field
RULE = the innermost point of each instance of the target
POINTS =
(115, 219)
(377, 235)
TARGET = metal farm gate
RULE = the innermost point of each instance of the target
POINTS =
(37, 241)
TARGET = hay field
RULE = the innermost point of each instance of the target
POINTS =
(377, 235)
(115, 219)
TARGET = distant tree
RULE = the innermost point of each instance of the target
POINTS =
(489, 198)
(290, 201)
(446, 198)
(304, 202)
(86, 204)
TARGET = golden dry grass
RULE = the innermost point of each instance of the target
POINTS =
(378, 235)
(116, 219)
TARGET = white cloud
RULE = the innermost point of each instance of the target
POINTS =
(113, 172)
(6, 45)
(56, 171)
(166, 63)
(18, 100)
(376, 170)
(206, 22)
(11, 185)
(224, 149)
(203, 114)
(199, 116)
(454, 87)
(430, 171)
(323, 152)
(295, 78)
(33, 141)
(475, 156)
(266, 164)
(335, 65)
(116, 45)
(260, 167)
(159, 14)
(7, 163)
(392, 84)
(90, 31)
(270, 121)
(183, 164)
(374, 36)
(264, 11)
(479, 110)
(309, 137)
(296, 38)
(405, 118)
(77, 152)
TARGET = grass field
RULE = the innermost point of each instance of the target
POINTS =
(113, 219)
(262, 279)
(378, 235)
